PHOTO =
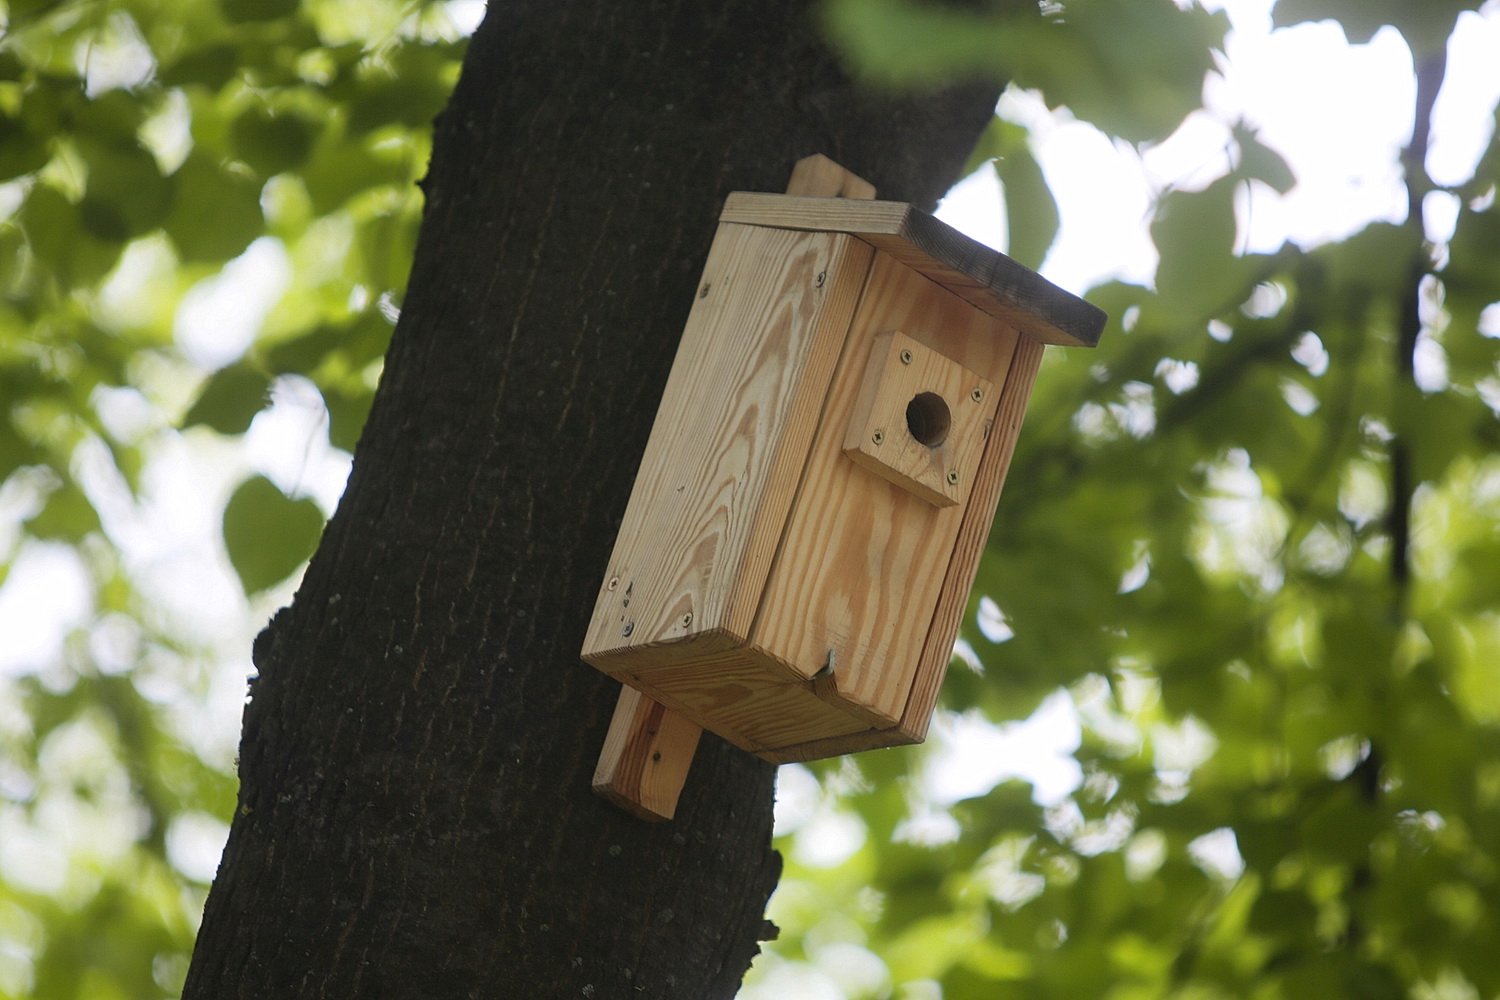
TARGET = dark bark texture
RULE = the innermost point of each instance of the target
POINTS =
(415, 817)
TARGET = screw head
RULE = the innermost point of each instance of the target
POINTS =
(905, 356)
(614, 582)
(952, 477)
(687, 619)
(878, 437)
(627, 628)
(976, 394)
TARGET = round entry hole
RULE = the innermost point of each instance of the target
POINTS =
(928, 418)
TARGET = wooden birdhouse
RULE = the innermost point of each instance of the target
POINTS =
(824, 468)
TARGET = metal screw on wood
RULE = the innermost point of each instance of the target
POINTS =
(687, 619)
(977, 394)
(952, 477)
(878, 437)
(614, 582)
(906, 357)
(628, 628)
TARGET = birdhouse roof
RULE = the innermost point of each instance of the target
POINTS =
(986, 278)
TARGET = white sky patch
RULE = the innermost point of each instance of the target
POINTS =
(220, 316)
(47, 594)
(289, 443)
(973, 755)
(1472, 82)
(465, 14)
(1218, 853)
(993, 624)
(195, 841)
(116, 56)
(1338, 113)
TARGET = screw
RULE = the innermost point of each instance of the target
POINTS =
(878, 437)
(628, 628)
(952, 477)
(687, 619)
(977, 394)
(822, 277)
(905, 357)
(614, 582)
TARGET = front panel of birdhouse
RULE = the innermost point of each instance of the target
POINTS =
(822, 473)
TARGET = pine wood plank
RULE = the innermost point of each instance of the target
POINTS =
(938, 459)
(747, 706)
(984, 277)
(863, 562)
(646, 757)
(722, 464)
(937, 653)
(817, 176)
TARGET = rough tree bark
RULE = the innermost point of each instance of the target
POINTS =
(415, 817)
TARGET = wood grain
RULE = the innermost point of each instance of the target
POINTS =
(817, 176)
(718, 475)
(957, 583)
(740, 697)
(880, 436)
(863, 562)
(984, 277)
(646, 757)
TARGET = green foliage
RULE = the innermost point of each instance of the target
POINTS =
(268, 535)
(1103, 59)
(1288, 733)
(144, 146)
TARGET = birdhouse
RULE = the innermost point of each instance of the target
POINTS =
(823, 470)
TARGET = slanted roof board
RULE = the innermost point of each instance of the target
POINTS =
(986, 278)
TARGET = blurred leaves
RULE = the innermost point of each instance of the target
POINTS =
(1101, 59)
(144, 147)
(268, 534)
(1286, 737)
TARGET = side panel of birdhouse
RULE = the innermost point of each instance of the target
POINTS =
(864, 561)
(727, 448)
(959, 581)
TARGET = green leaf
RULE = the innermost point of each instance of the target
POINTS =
(21, 149)
(241, 11)
(267, 534)
(1261, 162)
(67, 516)
(71, 254)
(217, 212)
(272, 142)
(230, 399)
(210, 66)
(1195, 233)
(126, 194)
(347, 411)
(1030, 210)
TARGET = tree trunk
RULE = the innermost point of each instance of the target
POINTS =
(415, 817)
